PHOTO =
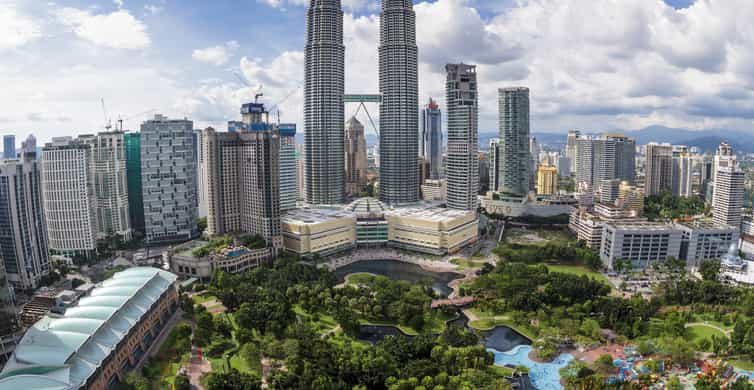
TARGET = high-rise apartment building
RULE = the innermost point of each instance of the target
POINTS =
(8, 318)
(201, 189)
(300, 173)
(242, 176)
(399, 86)
(462, 162)
(573, 135)
(109, 178)
(682, 171)
(658, 173)
(515, 167)
(29, 146)
(23, 236)
(356, 157)
(9, 146)
(607, 157)
(431, 128)
(287, 159)
(728, 196)
(133, 180)
(494, 157)
(324, 58)
(168, 177)
(70, 202)
(547, 180)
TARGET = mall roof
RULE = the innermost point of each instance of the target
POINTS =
(62, 352)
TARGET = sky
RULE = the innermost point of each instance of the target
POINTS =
(590, 65)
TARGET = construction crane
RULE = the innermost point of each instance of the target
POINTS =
(243, 81)
(287, 96)
(120, 119)
(108, 123)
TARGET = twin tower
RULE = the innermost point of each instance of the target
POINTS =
(324, 176)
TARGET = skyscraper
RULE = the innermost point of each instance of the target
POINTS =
(29, 146)
(515, 163)
(8, 318)
(324, 58)
(168, 179)
(356, 157)
(573, 135)
(658, 173)
(462, 163)
(431, 127)
(133, 174)
(399, 86)
(70, 204)
(494, 156)
(242, 179)
(682, 171)
(547, 180)
(728, 195)
(9, 146)
(607, 157)
(23, 236)
(287, 158)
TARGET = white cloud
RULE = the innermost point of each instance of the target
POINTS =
(16, 29)
(152, 9)
(216, 55)
(118, 3)
(119, 29)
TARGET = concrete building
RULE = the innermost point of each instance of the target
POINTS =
(318, 231)
(607, 157)
(287, 159)
(462, 163)
(587, 226)
(9, 146)
(705, 240)
(300, 172)
(201, 188)
(356, 157)
(434, 190)
(323, 103)
(242, 179)
(371, 225)
(185, 261)
(29, 146)
(514, 163)
(9, 325)
(431, 145)
(643, 243)
(108, 168)
(724, 157)
(168, 170)
(570, 152)
(547, 180)
(99, 341)
(399, 119)
(432, 230)
(658, 173)
(682, 171)
(728, 196)
(530, 205)
(133, 178)
(495, 157)
(70, 204)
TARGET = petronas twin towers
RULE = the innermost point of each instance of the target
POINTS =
(324, 175)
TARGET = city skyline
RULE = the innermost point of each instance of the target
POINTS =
(196, 76)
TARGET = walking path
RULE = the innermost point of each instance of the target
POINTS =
(725, 332)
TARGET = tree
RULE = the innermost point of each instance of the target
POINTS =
(710, 270)
(348, 322)
(204, 328)
(604, 363)
(182, 383)
(134, 381)
(674, 383)
(233, 380)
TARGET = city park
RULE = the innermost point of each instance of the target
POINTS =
(535, 311)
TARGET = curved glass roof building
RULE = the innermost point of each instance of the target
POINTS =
(79, 349)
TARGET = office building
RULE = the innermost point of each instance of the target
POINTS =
(23, 237)
(29, 146)
(494, 155)
(201, 189)
(728, 196)
(609, 191)
(514, 165)
(236, 126)
(547, 180)
(356, 157)
(168, 177)
(682, 171)
(724, 157)
(462, 161)
(607, 157)
(323, 103)
(484, 173)
(642, 243)
(434, 190)
(399, 87)
(133, 180)
(100, 340)
(8, 318)
(658, 172)
(109, 178)
(570, 152)
(433, 230)
(287, 171)
(70, 202)
(318, 231)
(9, 146)
(242, 176)
(431, 128)
(705, 240)
(564, 166)
(300, 173)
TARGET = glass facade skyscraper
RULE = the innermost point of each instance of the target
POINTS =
(133, 173)
(431, 145)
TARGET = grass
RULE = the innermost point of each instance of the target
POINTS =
(322, 322)
(202, 298)
(745, 365)
(360, 278)
(698, 332)
(466, 264)
(491, 323)
(708, 320)
(579, 270)
(517, 236)
(163, 367)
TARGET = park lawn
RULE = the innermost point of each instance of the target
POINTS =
(707, 320)
(162, 369)
(578, 270)
(698, 332)
(323, 324)
(203, 297)
(236, 362)
(746, 365)
(466, 264)
(360, 278)
(490, 323)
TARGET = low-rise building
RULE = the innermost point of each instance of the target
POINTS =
(433, 190)
(432, 230)
(530, 205)
(190, 261)
(705, 240)
(643, 243)
(587, 226)
(318, 231)
(95, 344)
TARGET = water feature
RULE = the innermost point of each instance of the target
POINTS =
(503, 338)
(400, 270)
(544, 376)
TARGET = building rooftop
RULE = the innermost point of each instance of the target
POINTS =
(705, 224)
(62, 352)
(640, 225)
(435, 214)
(366, 206)
(314, 215)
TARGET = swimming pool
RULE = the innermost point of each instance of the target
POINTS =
(544, 376)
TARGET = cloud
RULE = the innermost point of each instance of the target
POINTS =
(16, 29)
(118, 30)
(152, 9)
(216, 55)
